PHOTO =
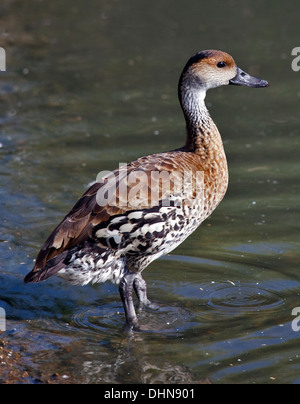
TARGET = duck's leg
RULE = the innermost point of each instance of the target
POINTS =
(140, 288)
(125, 288)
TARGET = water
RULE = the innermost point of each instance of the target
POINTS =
(89, 85)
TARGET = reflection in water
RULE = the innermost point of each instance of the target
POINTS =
(133, 362)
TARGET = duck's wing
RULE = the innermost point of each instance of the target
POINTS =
(78, 224)
(114, 202)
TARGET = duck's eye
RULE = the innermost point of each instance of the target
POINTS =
(221, 64)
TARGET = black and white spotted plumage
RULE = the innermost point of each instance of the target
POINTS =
(103, 242)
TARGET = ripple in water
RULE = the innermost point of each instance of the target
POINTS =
(95, 320)
(232, 298)
(225, 299)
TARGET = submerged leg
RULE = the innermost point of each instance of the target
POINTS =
(125, 288)
(140, 288)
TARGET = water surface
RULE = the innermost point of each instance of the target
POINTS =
(92, 84)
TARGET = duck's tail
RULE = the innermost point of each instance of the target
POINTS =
(51, 268)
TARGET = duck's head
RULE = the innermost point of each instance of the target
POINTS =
(211, 68)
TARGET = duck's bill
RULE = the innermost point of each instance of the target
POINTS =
(244, 79)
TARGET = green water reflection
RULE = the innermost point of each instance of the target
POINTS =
(92, 84)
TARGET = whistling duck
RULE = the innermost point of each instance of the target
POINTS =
(112, 235)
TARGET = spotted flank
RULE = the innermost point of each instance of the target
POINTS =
(140, 232)
(85, 267)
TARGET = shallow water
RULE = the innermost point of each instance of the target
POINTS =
(90, 86)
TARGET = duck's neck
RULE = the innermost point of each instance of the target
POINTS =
(203, 137)
(204, 140)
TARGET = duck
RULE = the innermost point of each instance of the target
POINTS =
(145, 209)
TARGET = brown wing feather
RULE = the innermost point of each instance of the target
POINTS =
(75, 228)
(78, 225)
